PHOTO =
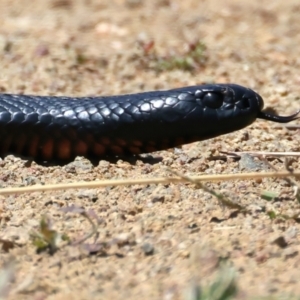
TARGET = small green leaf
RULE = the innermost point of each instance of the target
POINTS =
(81, 59)
(224, 287)
(272, 215)
(268, 195)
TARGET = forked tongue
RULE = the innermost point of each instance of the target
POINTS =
(278, 119)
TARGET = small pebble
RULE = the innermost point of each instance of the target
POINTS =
(148, 248)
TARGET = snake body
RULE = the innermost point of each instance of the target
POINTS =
(61, 128)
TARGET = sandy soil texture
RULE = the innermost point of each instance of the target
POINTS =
(153, 241)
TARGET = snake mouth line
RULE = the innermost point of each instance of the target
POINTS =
(278, 119)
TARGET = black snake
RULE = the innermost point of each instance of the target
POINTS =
(61, 128)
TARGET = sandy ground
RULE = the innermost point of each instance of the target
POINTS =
(155, 241)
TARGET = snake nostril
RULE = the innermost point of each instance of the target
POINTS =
(244, 103)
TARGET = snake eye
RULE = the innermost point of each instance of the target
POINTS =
(212, 100)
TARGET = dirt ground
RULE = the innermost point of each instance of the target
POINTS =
(154, 241)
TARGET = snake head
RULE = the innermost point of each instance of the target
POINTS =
(246, 99)
(245, 95)
(229, 107)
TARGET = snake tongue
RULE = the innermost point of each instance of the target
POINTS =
(278, 119)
